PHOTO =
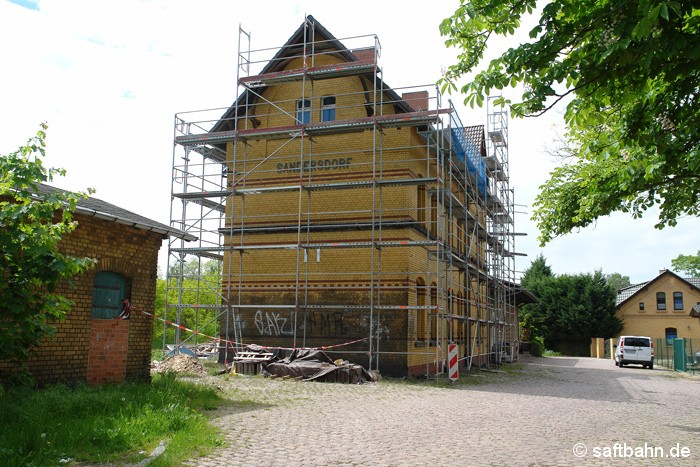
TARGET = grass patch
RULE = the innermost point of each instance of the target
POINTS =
(117, 423)
(551, 353)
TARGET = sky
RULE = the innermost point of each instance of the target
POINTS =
(108, 78)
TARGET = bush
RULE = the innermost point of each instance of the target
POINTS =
(537, 346)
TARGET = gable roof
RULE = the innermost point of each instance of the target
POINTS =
(99, 209)
(293, 48)
(630, 291)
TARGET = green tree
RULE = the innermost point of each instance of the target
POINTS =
(617, 281)
(629, 73)
(538, 269)
(534, 317)
(32, 224)
(572, 308)
(199, 284)
(687, 264)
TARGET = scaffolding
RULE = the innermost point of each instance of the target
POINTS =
(331, 211)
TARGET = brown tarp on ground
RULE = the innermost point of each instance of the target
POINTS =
(315, 365)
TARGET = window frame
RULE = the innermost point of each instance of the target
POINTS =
(673, 334)
(303, 111)
(109, 289)
(327, 109)
(676, 301)
(661, 301)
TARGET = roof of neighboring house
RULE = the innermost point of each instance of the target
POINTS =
(99, 209)
(292, 49)
(628, 292)
(695, 311)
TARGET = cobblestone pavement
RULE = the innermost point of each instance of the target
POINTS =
(542, 412)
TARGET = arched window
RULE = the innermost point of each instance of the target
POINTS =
(671, 333)
(421, 311)
(433, 216)
(327, 108)
(303, 111)
(109, 291)
(433, 312)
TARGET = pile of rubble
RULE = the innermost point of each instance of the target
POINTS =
(180, 364)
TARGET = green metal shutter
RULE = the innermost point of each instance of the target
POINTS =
(107, 295)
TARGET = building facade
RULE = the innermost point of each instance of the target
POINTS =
(348, 215)
(661, 308)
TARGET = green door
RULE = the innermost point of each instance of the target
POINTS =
(679, 359)
(107, 296)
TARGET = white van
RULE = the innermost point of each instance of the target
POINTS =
(637, 350)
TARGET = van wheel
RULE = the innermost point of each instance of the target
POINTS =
(621, 364)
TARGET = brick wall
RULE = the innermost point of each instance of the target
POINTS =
(117, 248)
(109, 346)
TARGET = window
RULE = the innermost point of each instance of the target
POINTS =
(420, 205)
(433, 216)
(660, 300)
(421, 312)
(109, 290)
(303, 111)
(641, 306)
(433, 314)
(671, 333)
(677, 300)
(327, 108)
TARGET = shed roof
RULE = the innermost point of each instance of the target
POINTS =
(100, 209)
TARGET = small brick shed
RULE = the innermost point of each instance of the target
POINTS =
(92, 344)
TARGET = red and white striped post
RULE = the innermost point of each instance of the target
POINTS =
(452, 358)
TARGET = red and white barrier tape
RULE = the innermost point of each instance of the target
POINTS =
(229, 342)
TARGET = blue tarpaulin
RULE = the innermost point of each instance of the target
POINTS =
(468, 153)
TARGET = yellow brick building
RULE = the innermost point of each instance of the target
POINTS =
(661, 308)
(349, 215)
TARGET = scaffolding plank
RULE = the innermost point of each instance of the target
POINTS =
(203, 194)
(319, 72)
(417, 118)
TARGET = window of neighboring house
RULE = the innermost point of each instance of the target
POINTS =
(660, 300)
(641, 306)
(303, 111)
(677, 300)
(109, 290)
(671, 333)
(327, 108)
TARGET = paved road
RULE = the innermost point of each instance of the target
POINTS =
(537, 415)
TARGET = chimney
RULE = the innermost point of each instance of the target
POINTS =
(418, 99)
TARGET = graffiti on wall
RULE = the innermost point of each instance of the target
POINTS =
(270, 323)
(326, 324)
